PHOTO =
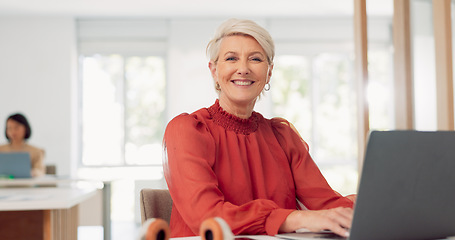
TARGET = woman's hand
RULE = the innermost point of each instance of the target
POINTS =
(337, 220)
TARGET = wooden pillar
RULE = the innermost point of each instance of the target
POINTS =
(404, 97)
(64, 223)
(361, 71)
(444, 73)
(47, 225)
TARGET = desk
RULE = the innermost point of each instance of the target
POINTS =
(33, 182)
(53, 181)
(41, 213)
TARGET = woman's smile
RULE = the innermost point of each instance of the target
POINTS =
(242, 82)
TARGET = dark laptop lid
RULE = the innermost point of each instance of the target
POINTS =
(407, 187)
(16, 165)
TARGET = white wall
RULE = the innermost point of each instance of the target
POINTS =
(190, 85)
(37, 73)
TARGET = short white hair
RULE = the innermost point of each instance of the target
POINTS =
(233, 27)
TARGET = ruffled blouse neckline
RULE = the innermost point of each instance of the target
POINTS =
(232, 122)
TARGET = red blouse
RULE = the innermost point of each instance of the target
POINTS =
(247, 171)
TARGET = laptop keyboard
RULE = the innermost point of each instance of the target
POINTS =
(309, 235)
(328, 236)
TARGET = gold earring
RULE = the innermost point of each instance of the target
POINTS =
(217, 86)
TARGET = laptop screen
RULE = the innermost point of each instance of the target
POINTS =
(406, 188)
(15, 165)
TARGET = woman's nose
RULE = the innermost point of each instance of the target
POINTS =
(243, 68)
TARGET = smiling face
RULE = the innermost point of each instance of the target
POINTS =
(242, 70)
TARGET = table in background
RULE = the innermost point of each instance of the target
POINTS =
(56, 181)
(48, 213)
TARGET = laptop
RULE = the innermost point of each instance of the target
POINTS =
(407, 188)
(15, 165)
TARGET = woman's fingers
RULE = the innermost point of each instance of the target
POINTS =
(337, 220)
(344, 216)
(340, 231)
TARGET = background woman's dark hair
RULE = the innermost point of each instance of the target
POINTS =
(22, 120)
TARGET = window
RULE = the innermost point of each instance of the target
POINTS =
(123, 103)
(312, 91)
(380, 88)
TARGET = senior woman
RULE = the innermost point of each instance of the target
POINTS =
(229, 161)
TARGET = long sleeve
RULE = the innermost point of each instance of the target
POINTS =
(37, 161)
(311, 187)
(195, 180)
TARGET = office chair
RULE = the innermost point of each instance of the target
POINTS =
(51, 169)
(155, 203)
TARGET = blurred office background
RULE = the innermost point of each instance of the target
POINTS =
(99, 80)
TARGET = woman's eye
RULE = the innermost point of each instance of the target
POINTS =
(257, 59)
(230, 59)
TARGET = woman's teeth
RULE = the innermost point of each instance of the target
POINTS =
(243, 83)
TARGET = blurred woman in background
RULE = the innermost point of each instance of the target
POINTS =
(17, 132)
